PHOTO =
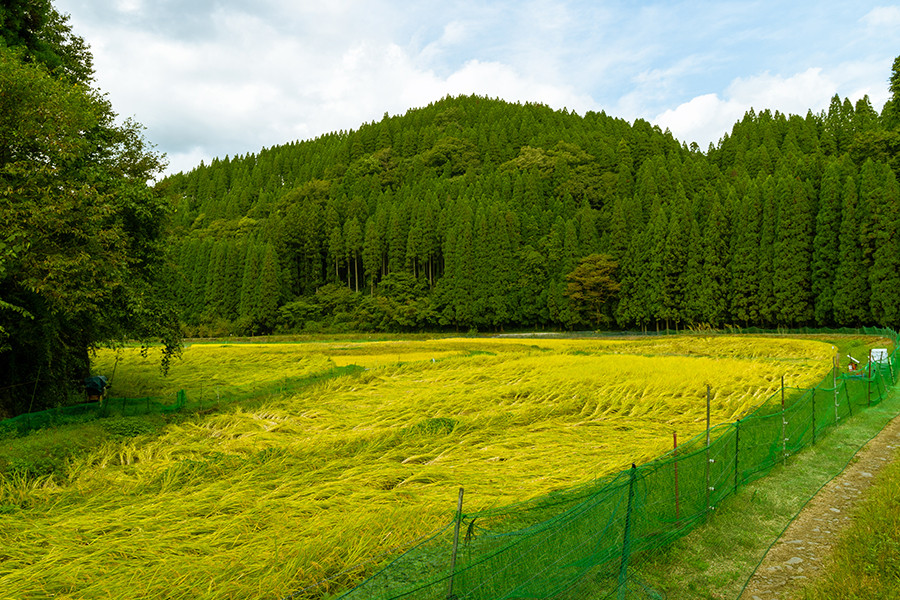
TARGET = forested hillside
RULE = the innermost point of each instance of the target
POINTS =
(472, 212)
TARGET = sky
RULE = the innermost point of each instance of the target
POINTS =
(210, 78)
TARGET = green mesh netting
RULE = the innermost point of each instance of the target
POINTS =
(541, 548)
(545, 546)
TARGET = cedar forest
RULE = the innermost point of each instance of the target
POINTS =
(479, 214)
(470, 214)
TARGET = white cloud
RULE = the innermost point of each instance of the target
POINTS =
(129, 6)
(703, 119)
(883, 17)
(216, 77)
(205, 98)
(708, 117)
(810, 89)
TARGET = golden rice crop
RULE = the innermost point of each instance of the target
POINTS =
(260, 502)
(211, 366)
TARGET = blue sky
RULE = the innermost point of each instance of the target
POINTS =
(215, 77)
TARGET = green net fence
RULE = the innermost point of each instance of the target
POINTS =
(598, 531)
(185, 400)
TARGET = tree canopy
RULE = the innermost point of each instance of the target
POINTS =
(82, 250)
(491, 205)
(592, 286)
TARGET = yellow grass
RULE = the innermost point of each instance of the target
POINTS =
(209, 366)
(256, 503)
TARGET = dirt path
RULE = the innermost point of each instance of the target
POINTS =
(802, 551)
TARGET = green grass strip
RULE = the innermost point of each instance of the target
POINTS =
(716, 560)
(866, 559)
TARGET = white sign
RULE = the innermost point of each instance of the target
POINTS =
(880, 355)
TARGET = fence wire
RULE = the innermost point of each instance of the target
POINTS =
(541, 548)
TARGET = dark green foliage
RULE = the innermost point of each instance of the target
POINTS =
(891, 112)
(46, 451)
(45, 38)
(82, 259)
(487, 206)
(792, 253)
(746, 256)
(884, 275)
(714, 276)
(851, 278)
(826, 243)
(592, 287)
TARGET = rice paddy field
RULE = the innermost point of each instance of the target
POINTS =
(315, 488)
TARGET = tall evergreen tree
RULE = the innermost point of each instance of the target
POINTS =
(768, 235)
(249, 302)
(793, 253)
(884, 275)
(826, 243)
(268, 291)
(714, 284)
(851, 290)
(372, 253)
(336, 252)
(353, 240)
(676, 249)
(746, 263)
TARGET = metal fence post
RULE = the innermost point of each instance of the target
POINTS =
(675, 455)
(834, 371)
(708, 459)
(783, 426)
(459, 504)
(869, 380)
(737, 446)
(626, 542)
(814, 415)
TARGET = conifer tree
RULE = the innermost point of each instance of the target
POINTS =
(371, 253)
(624, 170)
(267, 291)
(530, 292)
(851, 291)
(618, 231)
(234, 272)
(215, 279)
(642, 279)
(792, 253)
(396, 239)
(353, 244)
(199, 279)
(826, 246)
(415, 249)
(674, 261)
(890, 114)
(693, 278)
(714, 284)
(249, 302)
(767, 238)
(336, 252)
(884, 275)
(746, 264)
